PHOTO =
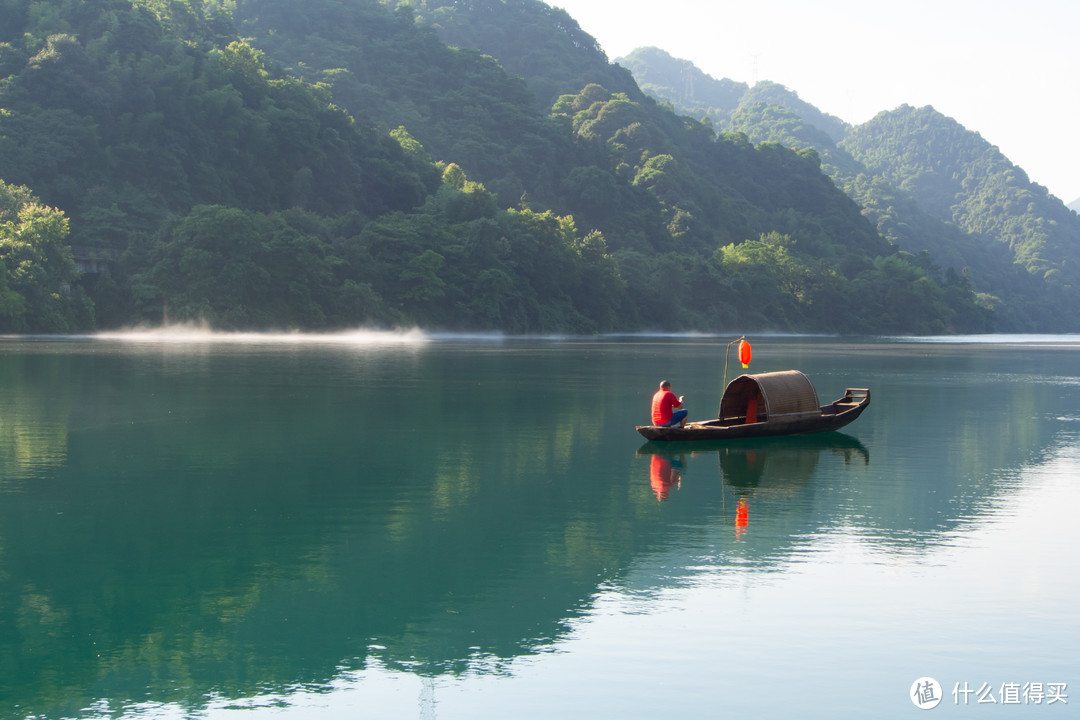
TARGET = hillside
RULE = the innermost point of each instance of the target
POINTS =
(966, 182)
(930, 186)
(478, 165)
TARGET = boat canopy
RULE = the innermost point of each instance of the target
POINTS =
(787, 393)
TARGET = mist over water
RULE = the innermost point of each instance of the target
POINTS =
(203, 334)
(1007, 339)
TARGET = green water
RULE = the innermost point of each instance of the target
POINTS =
(406, 526)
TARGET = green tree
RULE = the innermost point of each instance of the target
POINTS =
(420, 278)
(37, 269)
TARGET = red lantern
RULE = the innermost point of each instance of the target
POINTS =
(744, 353)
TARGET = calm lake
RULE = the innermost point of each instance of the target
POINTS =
(405, 526)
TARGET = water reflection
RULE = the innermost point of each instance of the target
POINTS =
(178, 527)
(181, 526)
(33, 429)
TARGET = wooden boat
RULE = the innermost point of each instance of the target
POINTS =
(765, 404)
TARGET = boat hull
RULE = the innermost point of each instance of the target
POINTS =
(830, 417)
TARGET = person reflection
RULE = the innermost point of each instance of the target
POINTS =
(664, 473)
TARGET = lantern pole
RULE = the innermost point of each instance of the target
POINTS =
(727, 353)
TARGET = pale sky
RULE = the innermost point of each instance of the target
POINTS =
(1007, 70)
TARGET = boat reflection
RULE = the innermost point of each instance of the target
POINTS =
(772, 465)
(748, 464)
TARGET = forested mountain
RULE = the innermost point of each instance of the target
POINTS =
(451, 164)
(964, 181)
(931, 187)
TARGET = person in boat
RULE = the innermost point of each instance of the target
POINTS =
(665, 407)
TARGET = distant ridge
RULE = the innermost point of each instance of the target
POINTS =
(932, 187)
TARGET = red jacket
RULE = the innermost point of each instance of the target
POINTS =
(663, 402)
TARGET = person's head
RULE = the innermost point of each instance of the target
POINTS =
(665, 385)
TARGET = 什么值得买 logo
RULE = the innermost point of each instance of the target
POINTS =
(926, 693)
